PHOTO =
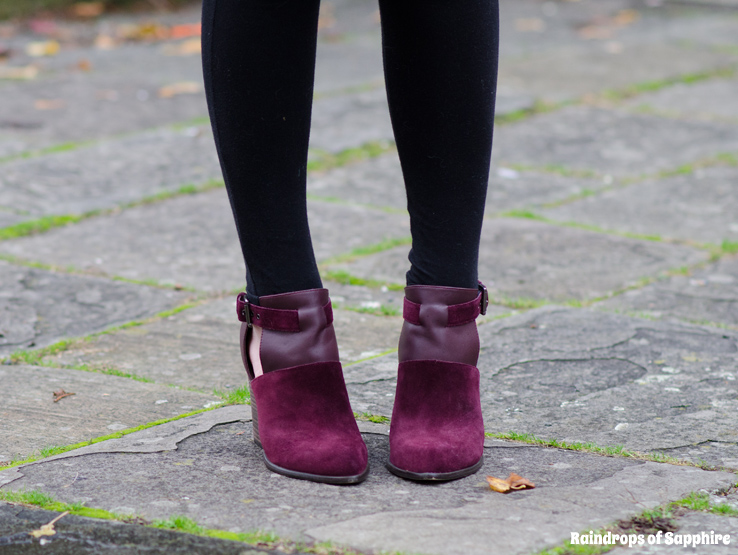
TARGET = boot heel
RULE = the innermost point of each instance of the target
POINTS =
(255, 420)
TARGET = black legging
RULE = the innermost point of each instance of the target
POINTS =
(440, 63)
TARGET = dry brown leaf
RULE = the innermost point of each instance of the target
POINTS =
(518, 482)
(38, 49)
(84, 65)
(184, 31)
(47, 529)
(511, 483)
(183, 87)
(105, 42)
(59, 394)
(88, 9)
(24, 72)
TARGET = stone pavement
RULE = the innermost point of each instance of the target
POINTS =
(609, 355)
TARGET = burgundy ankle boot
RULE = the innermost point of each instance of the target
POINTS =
(300, 407)
(437, 432)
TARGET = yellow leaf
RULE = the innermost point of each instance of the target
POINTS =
(47, 529)
(183, 87)
(38, 49)
(496, 484)
(25, 72)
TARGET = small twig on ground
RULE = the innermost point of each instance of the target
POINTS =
(60, 394)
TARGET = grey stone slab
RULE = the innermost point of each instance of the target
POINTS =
(38, 307)
(82, 536)
(708, 295)
(200, 348)
(527, 258)
(701, 206)
(692, 524)
(191, 240)
(350, 63)
(610, 141)
(582, 376)
(346, 121)
(379, 182)
(101, 404)
(119, 98)
(575, 70)
(218, 479)
(110, 173)
(712, 100)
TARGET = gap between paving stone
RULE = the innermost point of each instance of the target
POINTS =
(217, 478)
(580, 375)
(531, 259)
(610, 141)
(200, 347)
(81, 305)
(101, 404)
(192, 240)
(709, 295)
(77, 535)
(163, 437)
(712, 100)
(700, 206)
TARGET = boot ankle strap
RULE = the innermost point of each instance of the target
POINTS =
(274, 319)
(458, 314)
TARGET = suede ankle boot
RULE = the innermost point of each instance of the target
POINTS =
(437, 432)
(300, 407)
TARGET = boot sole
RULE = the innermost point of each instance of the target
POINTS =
(338, 480)
(435, 476)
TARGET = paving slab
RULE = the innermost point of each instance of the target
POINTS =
(379, 182)
(81, 536)
(575, 70)
(581, 376)
(577, 375)
(712, 100)
(527, 258)
(200, 347)
(81, 305)
(709, 296)
(700, 206)
(191, 240)
(575, 490)
(692, 523)
(101, 404)
(110, 173)
(610, 141)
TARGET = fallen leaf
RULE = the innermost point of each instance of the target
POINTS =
(59, 394)
(184, 31)
(38, 49)
(143, 32)
(626, 17)
(84, 65)
(518, 482)
(511, 483)
(88, 9)
(496, 484)
(47, 529)
(24, 72)
(105, 42)
(182, 87)
(48, 104)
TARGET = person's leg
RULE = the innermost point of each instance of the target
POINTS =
(440, 62)
(441, 70)
(259, 65)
